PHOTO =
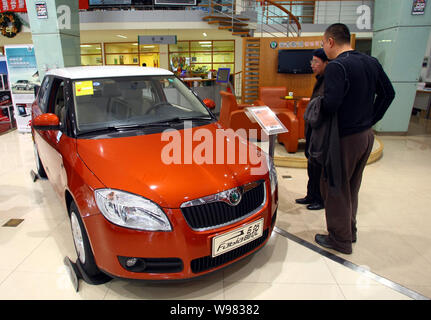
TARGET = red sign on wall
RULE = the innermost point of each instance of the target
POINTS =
(19, 5)
(13, 5)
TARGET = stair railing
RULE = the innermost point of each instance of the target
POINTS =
(229, 8)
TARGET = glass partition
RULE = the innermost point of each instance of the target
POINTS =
(121, 53)
(149, 54)
(198, 57)
(91, 54)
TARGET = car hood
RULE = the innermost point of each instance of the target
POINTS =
(140, 164)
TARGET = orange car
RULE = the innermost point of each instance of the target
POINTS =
(103, 137)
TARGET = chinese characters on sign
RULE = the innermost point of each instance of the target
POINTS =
(419, 7)
(13, 5)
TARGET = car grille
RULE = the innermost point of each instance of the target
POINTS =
(215, 214)
(208, 262)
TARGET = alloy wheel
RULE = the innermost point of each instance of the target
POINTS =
(77, 237)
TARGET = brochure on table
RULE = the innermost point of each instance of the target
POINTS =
(23, 77)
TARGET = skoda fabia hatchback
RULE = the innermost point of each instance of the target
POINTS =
(151, 189)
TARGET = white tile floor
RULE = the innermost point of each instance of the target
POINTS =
(31, 264)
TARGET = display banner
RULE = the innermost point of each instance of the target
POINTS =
(19, 5)
(23, 77)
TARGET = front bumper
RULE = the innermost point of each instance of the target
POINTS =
(179, 254)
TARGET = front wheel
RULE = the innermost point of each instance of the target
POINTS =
(82, 244)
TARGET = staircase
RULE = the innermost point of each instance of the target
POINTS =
(241, 17)
(250, 78)
(236, 25)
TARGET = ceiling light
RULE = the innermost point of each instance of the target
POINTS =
(121, 36)
(204, 34)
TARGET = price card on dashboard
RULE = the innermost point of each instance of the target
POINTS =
(84, 88)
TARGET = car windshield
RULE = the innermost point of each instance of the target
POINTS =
(134, 101)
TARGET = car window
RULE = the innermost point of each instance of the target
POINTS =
(44, 94)
(133, 100)
(56, 102)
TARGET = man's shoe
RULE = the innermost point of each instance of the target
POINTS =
(304, 200)
(324, 241)
(315, 206)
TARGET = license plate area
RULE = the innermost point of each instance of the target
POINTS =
(236, 238)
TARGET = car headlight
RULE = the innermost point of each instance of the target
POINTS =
(272, 173)
(131, 211)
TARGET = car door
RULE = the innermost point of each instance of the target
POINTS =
(49, 142)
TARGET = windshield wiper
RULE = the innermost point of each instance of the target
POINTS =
(182, 119)
(125, 127)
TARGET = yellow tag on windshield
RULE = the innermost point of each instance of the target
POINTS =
(84, 88)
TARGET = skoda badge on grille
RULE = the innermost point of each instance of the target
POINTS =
(234, 197)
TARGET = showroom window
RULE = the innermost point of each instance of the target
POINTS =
(149, 54)
(200, 56)
(130, 53)
(91, 54)
(121, 53)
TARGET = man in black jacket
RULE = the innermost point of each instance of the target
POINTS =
(313, 199)
(359, 91)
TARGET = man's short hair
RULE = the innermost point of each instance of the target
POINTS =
(339, 32)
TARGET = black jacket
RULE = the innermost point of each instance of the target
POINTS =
(318, 90)
(363, 99)
(324, 142)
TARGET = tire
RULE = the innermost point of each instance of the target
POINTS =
(39, 167)
(82, 244)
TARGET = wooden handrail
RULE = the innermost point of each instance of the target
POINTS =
(211, 4)
(290, 14)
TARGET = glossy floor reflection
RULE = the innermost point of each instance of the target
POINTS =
(392, 239)
(393, 215)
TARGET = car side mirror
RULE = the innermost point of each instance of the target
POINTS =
(46, 121)
(209, 103)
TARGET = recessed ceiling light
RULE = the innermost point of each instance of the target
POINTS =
(121, 36)
(204, 34)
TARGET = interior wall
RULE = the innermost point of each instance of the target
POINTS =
(300, 84)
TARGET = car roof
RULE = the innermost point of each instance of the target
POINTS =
(91, 72)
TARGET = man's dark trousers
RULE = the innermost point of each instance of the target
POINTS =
(341, 208)
(314, 171)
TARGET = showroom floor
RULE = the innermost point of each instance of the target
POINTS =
(390, 260)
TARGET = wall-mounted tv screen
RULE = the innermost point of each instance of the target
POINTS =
(295, 61)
